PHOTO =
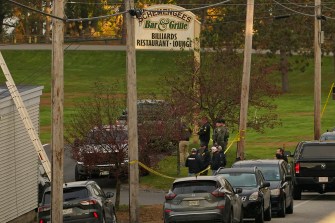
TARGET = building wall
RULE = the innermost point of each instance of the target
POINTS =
(18, 158)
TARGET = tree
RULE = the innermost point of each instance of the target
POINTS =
(93, 130)
(219, 91)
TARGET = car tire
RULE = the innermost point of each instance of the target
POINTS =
(282, 212)
(297, 193)
(268, 213)
(260, 217)
(289, 209)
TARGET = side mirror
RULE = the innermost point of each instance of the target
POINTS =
(109, 194)
(238, 190)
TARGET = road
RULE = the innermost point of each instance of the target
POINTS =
(312, 208)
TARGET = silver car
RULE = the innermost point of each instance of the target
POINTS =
(203, 198)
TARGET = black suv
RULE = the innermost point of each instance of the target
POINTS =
(314, 167)
(83, 201)
(278, 173)
(256, 194)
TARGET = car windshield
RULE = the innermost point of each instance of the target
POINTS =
(326, 137)
(270, 173)
(190, 187)
(72, 193)
(240, 179)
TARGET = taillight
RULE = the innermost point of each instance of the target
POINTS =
(95, 214)
(220, 207)
(44, 208)
(167, 210)
(218, 193)
(170, 196)
(41, 221)
(297, 168)
(88, 202)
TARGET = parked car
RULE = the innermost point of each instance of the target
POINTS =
(105, 153)
(83, 201)
(314, 167)
(256, 193)
(203, 198)
(278, 173)
(327, 136)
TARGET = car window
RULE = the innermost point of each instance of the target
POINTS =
(270, 173)
(97, 190)
(228, 186)
(240, 179)
(187, 187)
(72, 193)
(318, 151)
(326, 137)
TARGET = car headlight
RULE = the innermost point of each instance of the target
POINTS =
(275, 192)
(253, 196)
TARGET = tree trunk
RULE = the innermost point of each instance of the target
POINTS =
(124, 25)
(117, 191)
(284, 67)
(47, 22)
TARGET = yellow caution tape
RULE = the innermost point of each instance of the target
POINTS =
(236, 139)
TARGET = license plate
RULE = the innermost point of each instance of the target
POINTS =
(193, 203)
(104, 173)
(67, 211)
(323, 179)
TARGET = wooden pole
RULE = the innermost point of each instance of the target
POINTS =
(246, 78)
(132, 117)
(317, 70)
(57, 94)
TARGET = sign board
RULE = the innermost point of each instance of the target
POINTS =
(166, 27)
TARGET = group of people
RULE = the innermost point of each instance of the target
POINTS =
(200, 159)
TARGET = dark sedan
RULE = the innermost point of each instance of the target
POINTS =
(278, 173)
(256, 192)
(83, 202)
(203, 199)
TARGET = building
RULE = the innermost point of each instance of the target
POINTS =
(18, 158)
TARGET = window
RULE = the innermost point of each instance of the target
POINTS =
(241, 179)
(189, 187)
(71, 193)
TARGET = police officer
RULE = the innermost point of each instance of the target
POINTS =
(221, 134)
(194, 163)
(204, 132)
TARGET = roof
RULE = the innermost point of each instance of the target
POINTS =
(74, 184)
(238, 170)
(258, 162)
(196, 178)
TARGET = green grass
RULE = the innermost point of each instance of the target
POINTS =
(83, 68)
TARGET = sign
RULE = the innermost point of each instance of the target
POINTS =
(166, 27)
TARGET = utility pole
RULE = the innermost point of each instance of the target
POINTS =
(317, 70)
(246, 78)
(132, 116)
(57, 94)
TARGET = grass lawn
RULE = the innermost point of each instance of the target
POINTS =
(83, 68)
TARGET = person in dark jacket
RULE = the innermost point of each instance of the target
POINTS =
(215, 162)
(206, 158)
(204, 132)
(194, 163)
(280, 154)
(223, 159)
